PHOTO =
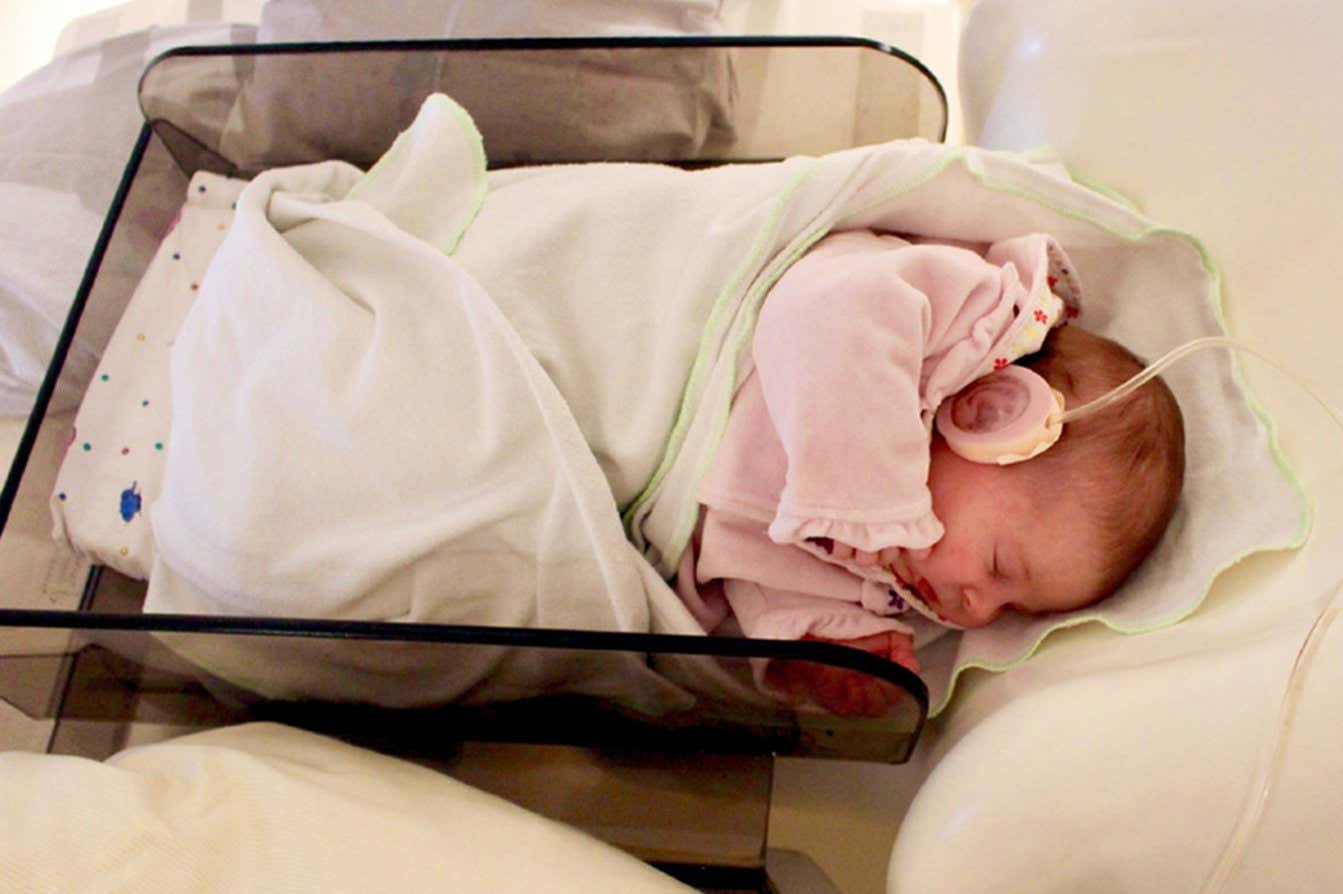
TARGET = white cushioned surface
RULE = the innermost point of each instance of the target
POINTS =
(66, 132)
(263, 808)
(1128, 760)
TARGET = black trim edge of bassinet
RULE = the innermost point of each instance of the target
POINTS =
(560, 43)
(56, 365)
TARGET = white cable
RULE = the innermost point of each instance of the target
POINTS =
(1269, 766)
(1271, 759)
(1198, 344)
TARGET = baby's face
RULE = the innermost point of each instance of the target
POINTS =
(1004, 547)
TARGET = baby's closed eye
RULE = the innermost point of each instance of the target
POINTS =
(995, 568)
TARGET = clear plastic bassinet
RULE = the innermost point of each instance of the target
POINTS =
(74, 644)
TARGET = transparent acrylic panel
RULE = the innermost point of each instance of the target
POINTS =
(73, 642)
(683, 101)
(411, 689)
(37, 572)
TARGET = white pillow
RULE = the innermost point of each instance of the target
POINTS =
(268, 808)
(66, 132)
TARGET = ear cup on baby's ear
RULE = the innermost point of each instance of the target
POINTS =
(1008, 416)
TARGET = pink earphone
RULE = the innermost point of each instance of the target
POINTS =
(1011, 414)
(1008, 416)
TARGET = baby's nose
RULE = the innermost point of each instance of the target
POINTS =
(983, 604)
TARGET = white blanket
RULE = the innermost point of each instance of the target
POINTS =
(407, 396)
(268, 808)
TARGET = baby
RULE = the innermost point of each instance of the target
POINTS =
(831, 513)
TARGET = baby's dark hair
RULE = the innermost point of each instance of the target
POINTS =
(1124, 462)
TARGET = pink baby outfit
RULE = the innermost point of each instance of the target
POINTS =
(856, 345)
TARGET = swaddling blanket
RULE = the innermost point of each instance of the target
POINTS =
(398, 397)
(358, 429)
(422, 394)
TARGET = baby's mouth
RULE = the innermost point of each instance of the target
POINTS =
(928, 593)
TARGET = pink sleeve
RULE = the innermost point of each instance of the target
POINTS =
(839, 349)
(765, 612)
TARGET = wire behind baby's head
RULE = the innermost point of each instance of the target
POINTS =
(1124, 463)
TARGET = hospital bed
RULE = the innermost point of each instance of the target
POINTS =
(1196, 755)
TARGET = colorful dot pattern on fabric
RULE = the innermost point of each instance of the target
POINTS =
(113, 468)
(1052, 300)
(130, 503)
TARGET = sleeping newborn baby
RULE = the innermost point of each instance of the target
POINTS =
(831, 512)
(531, 397)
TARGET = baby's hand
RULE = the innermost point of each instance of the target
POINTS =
(840, 690)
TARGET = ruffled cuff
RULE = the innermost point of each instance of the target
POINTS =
(918, 533)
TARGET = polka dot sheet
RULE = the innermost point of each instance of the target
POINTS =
(114, 460)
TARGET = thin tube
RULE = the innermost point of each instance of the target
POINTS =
(1271, 759)
(1212, 341)
(1269, 765)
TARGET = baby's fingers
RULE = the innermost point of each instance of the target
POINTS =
(902, 652)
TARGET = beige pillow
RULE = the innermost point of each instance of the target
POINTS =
(531, 106)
